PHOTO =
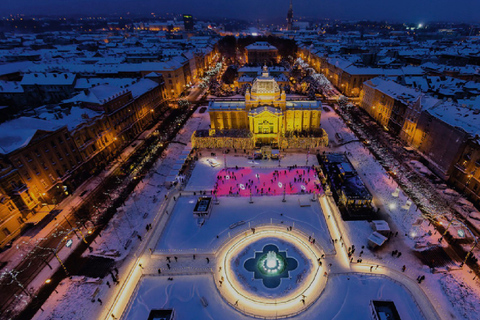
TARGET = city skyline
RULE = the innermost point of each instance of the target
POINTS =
(405, 11)
(218, 159)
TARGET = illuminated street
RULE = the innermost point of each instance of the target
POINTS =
(199, 160)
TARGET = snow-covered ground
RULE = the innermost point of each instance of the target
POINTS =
(141, 208)
(184, 234)
(345, 297)
(204, 175)
(413, 230)
(82, 292)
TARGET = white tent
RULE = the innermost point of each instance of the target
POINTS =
(376, 240)
(381, 226)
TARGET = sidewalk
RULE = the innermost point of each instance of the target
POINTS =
(13, 258)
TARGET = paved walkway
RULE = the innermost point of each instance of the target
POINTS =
(149, 262)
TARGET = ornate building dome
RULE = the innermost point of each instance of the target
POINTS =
(265, 87)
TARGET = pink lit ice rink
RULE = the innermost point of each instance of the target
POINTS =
(241, 181)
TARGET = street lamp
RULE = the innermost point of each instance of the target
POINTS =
(48, 281)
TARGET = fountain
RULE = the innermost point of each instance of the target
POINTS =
(270, 265)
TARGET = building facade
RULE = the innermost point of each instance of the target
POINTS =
(45, 158)
(261, 52)
(395, 107)
(267, 117)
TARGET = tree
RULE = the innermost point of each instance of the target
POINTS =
(342, 101)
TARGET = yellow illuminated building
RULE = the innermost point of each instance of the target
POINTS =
(266, 117)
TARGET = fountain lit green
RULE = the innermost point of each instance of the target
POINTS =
(271, 264)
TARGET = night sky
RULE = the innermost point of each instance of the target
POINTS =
(395, 10)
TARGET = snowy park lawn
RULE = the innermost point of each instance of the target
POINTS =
(348, 297)
(183, 232)
(183, 294)
(72, 300)
(345, 297)
(204, 175)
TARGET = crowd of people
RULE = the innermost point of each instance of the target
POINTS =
(258, 182)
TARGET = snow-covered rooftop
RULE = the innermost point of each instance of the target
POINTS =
(56, 79)
(71, 118)
(260, 45)
(98, 95)
(394, 90)
(457, 116)
(17, 133)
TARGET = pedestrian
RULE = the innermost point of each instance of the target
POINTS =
(220, 281)
(219, 269)
(174, 199)
(108, 284)
(176, 259)
(208, 260)
(313, 241)
(100, 300)
(193, 257)
(236, 303)
(159, 271)
(168, 266)
(371, 268)
(396, 233)
(116, 270)
(140, 265)
(403, 268)
(139, 237)
(399, 254)
(168, 259)
(309, 238)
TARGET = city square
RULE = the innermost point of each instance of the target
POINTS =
(224, 236)
(239, 160)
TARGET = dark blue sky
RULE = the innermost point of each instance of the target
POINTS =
(397, 10)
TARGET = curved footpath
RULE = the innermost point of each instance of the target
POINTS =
(151, 261)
